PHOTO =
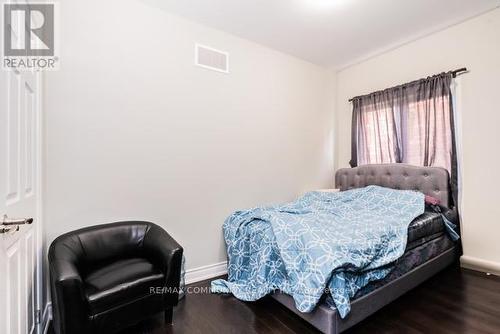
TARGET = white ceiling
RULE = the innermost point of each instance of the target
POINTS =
(328, 32)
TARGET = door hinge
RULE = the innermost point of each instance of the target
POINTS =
(38, 317)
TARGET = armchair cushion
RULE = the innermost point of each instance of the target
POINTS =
(120, 282)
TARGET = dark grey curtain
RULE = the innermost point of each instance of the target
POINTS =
(411, 123)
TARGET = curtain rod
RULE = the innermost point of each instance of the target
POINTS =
(453, 73)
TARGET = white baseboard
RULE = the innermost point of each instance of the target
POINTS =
(206, 272)
(474, 263)
(46, 317)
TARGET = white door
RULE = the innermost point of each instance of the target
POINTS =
(20, 156)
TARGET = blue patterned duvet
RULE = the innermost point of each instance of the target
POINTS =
(324, 242)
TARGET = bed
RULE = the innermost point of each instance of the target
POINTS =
(429, 249)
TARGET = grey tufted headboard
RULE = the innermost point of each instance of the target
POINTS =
(432, 181)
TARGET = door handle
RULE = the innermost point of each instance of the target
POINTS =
(6, 221)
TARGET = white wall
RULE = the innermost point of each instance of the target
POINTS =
(135, 131)
(476, 45)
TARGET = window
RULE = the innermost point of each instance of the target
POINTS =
(410, 124)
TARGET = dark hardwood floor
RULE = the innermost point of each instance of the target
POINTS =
(454, 301)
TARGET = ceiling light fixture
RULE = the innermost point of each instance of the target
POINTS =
(322, 4)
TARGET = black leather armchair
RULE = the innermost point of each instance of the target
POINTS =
(107, 277)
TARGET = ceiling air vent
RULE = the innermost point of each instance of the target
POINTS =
(211, 58)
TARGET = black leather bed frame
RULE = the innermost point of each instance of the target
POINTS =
(431, 181)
